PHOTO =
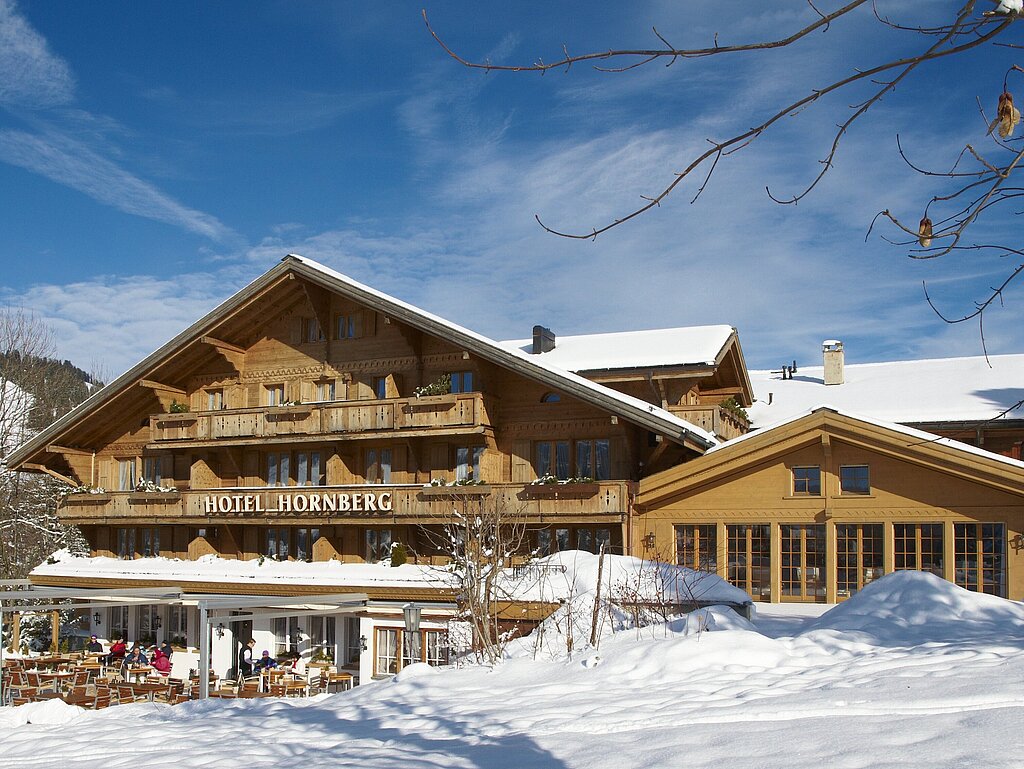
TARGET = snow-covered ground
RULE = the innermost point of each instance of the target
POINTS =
(911, 672)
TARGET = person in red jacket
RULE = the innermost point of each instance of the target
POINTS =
(118, 651)
(161, 663)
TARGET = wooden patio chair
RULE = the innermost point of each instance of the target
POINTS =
(103, 699)
(81, 678)
(126, 694)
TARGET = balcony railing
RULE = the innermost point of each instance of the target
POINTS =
(462, 412)
(720, 422)
(405, 504)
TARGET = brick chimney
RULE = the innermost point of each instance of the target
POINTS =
(832, 352)
(543, 340)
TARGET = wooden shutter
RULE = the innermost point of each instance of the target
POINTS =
(522, 471)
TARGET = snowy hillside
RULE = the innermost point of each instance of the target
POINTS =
(913, 672)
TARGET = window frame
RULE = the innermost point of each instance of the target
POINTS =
(462, 382)
(849, 473)
(798, 481)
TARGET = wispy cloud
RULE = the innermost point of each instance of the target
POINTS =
(71, 146)
(30, 75)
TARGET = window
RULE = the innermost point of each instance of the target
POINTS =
(378, 545)
(378, 465)
(345, 327)
(593, 459)
(918, 546)
(591, 540)
(147, 623)
(126, 474)
(858, 556)
(462, 381)
(551, 398)
(311, 331)
(854, 479)
(308, 469)
(153, 469)
(430, 646)
(353, 644)
(278, 468)
(697, 547)
(126, 544)
(980, 557)
(750, 558)
(295, 542)
(467, 463)
(551, 458)
(807, 481)
(803, 562)
(177, 627)
(215, 400)
(322, 636)
(587, 538)
(287, 635)
(150, 541)
(380, 387)
(325, 391)
(117, 622)
(273, 394)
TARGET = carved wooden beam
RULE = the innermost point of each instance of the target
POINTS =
(53, 448)
(50, 472)
(160, 387)
(232, 353)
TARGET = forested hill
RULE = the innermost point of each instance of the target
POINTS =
(56, 386)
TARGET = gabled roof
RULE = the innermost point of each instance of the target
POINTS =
(910, 444)
(915, 391)
(696, 346)
(632, 409)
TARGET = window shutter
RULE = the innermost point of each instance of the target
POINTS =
(295, 330)
(369, 323)
(522, 472)
(617, 455)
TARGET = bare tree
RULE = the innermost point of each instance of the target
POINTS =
(35, 389)
(483, 538)
(978, 182)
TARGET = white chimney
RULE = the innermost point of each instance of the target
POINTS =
(832, 352)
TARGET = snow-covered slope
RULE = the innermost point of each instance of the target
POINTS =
(833, 696)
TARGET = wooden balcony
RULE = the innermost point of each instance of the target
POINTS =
(395, 417)
(721, 422)
(358, 504)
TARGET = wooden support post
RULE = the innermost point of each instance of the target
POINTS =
(16, 631)
(55, 631)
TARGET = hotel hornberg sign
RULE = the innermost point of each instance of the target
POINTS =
(301, 502)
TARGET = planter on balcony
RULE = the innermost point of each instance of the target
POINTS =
(561, 489)
(86, 499)
(153, 497)
(429, 402)
(456, 491)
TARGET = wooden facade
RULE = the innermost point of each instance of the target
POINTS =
(815, 509)
(296, 402)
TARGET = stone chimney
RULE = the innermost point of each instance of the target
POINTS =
(543, 340)
(832, 351)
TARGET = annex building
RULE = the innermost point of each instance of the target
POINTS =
(282, 446)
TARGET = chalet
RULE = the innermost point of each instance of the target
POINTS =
(286, 443)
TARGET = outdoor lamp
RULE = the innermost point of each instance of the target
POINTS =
(157, 622)
(220, 630)
(362, 643)
(649, 540)
(96, 617)
(412, 614)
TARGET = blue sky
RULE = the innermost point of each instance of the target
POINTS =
(155, 157)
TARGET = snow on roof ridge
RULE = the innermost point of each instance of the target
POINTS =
(913, 432)
(656, 411)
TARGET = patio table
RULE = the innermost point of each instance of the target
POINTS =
(149, 689)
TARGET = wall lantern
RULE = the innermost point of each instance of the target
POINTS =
(412, 614)
(96, 617)
(157, 622)
(649, 540)
(362, 643)
(220, 630)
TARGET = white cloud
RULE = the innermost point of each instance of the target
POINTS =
(30, 75)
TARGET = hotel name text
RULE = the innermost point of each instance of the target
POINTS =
(311, 502)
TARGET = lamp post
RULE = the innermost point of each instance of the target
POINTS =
(412, 614)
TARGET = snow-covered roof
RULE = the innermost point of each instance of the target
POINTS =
(916, 436)
(689, 346)
(935, 390)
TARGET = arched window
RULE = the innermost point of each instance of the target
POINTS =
(551, 398)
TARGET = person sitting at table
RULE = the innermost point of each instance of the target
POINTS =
(136, 659)
(161, 662)
(265, 662)
(94, 645)
(166, 648)
(118, 651)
